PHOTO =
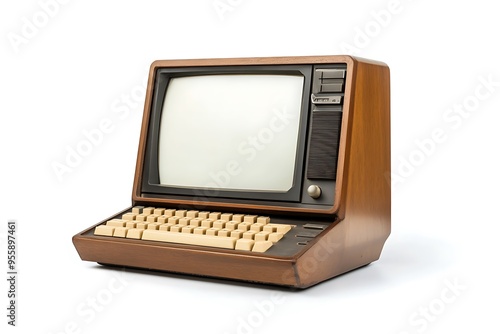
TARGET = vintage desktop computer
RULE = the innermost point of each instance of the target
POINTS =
(269, 170)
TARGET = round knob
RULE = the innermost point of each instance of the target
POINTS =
(314, 191)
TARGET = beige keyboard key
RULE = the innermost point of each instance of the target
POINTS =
(154, 226)
(250, 219)
(148, 211)
(257, 227)
(200, 230)
(226, 216)
(137, 209)
(169, 212)
(188, 229)
(162, 219)
(152, 218)
(261, 246)
(214, 215)
(203, 214)
(224, 233)
(192, 213)
(244, 244)
(141, 217)
(232, 225)
(281, 228)
(180, 213)
(238, 218)
(249, 235)
(142, 225)
(131, 223)
(184, 221)
(190, 239)
(207, 222)
(196, 222)
(237, 234)
(262, 236)
(116, 222)
(263, 220)
(120, 232)
(128, 216)
(173, 220)
(165, 227)
(219, 223)
(269, 228)
(244, 226)
(275, 237)
(158, 211)
(135, 233)
(176, 228)
(104, 230)
(212, 231)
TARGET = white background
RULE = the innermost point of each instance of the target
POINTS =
(77, 68)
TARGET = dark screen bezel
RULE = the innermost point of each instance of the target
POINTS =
(150, 178)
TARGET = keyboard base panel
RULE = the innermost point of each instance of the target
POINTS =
(295, 264)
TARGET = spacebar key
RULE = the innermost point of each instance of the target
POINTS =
(189, 239)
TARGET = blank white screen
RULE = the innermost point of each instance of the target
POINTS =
(230, 132)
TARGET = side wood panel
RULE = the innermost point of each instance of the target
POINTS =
(365, 209)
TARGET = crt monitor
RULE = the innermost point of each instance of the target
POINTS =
(244, 134)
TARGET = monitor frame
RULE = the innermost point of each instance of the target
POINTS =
(150, 180)
(200, 200)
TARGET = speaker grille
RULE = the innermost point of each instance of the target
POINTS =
(324, 145)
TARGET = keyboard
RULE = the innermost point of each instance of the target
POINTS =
(201, 228)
